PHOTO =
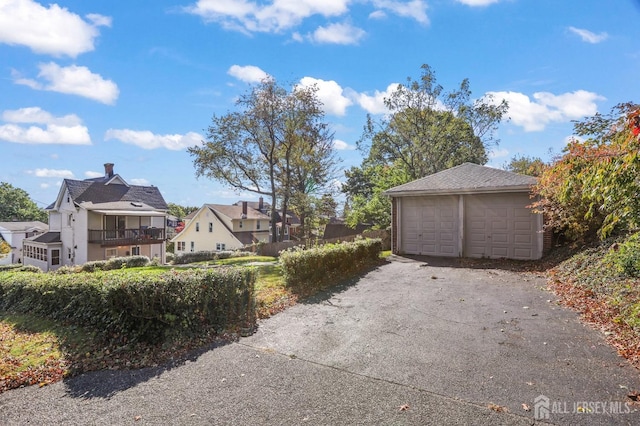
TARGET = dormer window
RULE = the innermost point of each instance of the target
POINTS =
(197, 226)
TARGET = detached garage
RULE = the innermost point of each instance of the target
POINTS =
(467, 211)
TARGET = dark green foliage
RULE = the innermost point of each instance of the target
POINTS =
(203, 256)
(15, 204)
(115, 263)
(308, 270)
(134, 306)
(626, 256)
(16, 267)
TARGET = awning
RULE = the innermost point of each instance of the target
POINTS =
(130, 212)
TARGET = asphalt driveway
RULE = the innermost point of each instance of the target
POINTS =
(416, 341)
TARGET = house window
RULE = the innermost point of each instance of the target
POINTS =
(69, 218)
(110, 252)
(55, 256)
(258, 225)
(210, 227)
(240, 224)
(69, 253)
(286, 230)
(197, 226)
(220, 246)
(193, 246)
(181, 246)
(135, 251)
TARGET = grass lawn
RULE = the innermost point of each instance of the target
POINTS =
(38, 351)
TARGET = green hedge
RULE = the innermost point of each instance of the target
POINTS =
(137, 306)
(202, 256)
(115, 263)
(310, 269)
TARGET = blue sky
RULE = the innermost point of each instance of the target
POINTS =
(135, 83)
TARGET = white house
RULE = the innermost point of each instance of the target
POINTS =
(217, 227)
(97, 219)
(14, 232)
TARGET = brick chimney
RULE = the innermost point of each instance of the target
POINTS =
(260, 204)
(108, 170)
(244, 209)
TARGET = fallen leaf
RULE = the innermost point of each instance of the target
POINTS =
(404, 407)
(136, 418)
(498, 408)
(525, 407)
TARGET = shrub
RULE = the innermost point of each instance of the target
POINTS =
(134, 305)
(626, 256)
(170, 257)
(203, 256)
(308, 270)
(115, 263)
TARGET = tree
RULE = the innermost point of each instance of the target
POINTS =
(15, 205)
(180, 211)
(427, 130)
(525, 165)
(593, 187)
(274, 143)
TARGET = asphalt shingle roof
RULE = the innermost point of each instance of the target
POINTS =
(47, 238)
(99, 193)
(23, 226)
(235, 212)
(465, 178)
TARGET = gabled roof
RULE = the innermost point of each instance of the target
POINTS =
(466, 178)
(113, 191)
(235, 212)
(24, 226)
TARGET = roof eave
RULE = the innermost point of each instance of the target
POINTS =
(459, 191)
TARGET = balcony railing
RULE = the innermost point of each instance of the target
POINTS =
(123, 237)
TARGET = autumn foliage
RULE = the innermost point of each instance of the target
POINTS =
(593, 188)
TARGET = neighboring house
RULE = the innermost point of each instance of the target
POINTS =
(468, 210)
(172, 224)
(14, 232)
(291, 225)
(217, 227)
(337, 228)
(97, 219)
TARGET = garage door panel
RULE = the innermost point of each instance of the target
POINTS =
(429, 225)
(507, 229)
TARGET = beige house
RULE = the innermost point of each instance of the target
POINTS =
(217, 227)
(97, 219)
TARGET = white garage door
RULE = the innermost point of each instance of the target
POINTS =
(500, 226)
(429, 226)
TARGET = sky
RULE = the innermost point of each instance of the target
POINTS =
(135, 83)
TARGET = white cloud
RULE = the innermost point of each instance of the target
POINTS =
(341, 145)
(66, 130)
(50, 30)
(534, 114)
(498, 153)
(39, 116)
(588, 36)
(416, 9)
(90, 175)
(248, 73)
(140, 181)
(377, 14)
(337, 34)
(51, 173)
(374, 104)
(73, 80)
(148, 140)
(330, 94)
(275, 16)
(478, 2)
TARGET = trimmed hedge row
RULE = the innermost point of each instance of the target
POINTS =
(312, 269)
(134, 305)
(202, 256)
(116, 263)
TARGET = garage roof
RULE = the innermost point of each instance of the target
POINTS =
(467, 178)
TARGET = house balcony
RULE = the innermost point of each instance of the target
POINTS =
(124, 237)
